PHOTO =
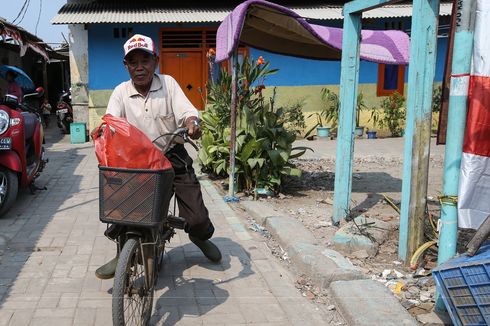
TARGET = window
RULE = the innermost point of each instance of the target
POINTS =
(391, 78)
(122, 32)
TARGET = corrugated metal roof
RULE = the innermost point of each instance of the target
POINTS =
(95, 13)
(402, 11)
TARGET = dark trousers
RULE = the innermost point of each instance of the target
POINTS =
(188, 193)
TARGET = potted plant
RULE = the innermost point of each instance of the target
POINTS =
(393, 114)
(328, 114)
(375, 119)
(371, 134)
(390, 115)
(360, 106)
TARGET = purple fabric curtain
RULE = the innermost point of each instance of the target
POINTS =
(274, 28)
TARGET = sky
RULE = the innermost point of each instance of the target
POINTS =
(46, 31)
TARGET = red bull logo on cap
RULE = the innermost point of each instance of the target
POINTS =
(137, 39)
(139, 42)
(137, 45)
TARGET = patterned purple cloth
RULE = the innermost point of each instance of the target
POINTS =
(274, 28)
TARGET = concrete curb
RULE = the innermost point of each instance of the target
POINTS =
(361, 301)
(322, 265)
(368, 303)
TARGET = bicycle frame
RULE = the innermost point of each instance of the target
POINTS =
(140, 250)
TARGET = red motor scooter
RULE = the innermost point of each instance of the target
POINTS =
(22, 155)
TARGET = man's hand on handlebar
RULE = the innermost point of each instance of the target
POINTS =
(192, 125)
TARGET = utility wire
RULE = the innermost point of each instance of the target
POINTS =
(39, 15)
(25, 11)
(20, 12)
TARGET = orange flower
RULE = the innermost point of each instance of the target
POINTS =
(211, 52)
(260, 61)
(259, 88)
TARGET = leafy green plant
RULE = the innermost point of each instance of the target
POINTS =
(329, 112)
(436, 107)
(390, 115)
(293, 118)
(361, 105)
(263, 143)
(436, 99)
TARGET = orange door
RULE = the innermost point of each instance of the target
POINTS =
(186, 68)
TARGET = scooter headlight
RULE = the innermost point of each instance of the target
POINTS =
(4, 121)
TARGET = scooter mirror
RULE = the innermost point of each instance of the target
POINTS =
(40, 91)
(9, 98)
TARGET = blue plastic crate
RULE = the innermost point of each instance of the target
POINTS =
(464, 285)
(78, 133)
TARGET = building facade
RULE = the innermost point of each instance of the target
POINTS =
(183, 36)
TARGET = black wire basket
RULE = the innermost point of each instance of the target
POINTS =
(134, 196)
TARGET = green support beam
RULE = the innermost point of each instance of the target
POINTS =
(349, 81)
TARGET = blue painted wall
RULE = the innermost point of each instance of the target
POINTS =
(106, 69)
(105, 53)
(298, 71)
(105, 60)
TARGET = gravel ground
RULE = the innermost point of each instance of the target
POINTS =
(310, 200)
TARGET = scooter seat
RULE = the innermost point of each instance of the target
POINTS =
(30, 120)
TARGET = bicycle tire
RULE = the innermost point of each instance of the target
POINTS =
(132, 300)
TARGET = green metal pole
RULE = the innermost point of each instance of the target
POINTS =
(423, 45)
(234, 72)
(349, 80)
(458, 101)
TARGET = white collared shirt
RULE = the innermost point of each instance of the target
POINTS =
(164, 109)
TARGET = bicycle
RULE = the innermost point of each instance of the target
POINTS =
(135, 200)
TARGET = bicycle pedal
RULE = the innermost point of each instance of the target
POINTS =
(176, 222)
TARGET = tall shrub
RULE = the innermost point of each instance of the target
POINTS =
(263, 144)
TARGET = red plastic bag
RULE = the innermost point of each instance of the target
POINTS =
(122, 145)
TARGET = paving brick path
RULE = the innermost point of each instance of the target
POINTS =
(51, 243)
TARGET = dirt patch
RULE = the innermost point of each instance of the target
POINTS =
(310, 200)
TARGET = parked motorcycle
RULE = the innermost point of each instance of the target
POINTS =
(64, 112)
(22, 156)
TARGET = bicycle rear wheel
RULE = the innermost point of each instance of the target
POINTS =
(132, 294)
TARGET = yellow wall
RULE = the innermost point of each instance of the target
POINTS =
(285, 95)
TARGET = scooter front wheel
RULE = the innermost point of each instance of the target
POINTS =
(132, 294)
(9, 186)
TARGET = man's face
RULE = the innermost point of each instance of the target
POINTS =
(141, 66)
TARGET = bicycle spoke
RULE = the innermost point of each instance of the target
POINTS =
(136, 300)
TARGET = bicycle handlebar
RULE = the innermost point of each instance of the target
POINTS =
(179, 132)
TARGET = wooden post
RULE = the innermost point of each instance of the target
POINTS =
(423, 47)
(45, 79)
(349, 80)
(234, 72)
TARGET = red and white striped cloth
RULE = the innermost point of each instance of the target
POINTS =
(474, 181)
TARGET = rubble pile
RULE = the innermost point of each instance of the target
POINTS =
(416, 291)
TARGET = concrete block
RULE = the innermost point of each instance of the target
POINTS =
(322, 265)
(259, 211)
(434, 319)
(288, 230)
(367, 303)
(350, 239)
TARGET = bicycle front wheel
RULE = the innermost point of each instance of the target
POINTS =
(132, 294)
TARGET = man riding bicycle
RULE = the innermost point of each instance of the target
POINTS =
(156, 105)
